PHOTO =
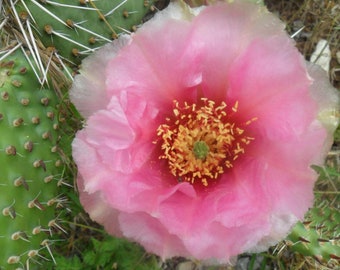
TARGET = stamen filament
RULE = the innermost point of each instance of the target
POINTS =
(200, 143)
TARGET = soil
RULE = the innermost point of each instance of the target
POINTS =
(318, 20)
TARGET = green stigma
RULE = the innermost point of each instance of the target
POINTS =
(201, 150)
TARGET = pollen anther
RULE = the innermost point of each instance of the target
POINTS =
(200, 141)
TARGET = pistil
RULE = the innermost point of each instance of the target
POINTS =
(201, 150)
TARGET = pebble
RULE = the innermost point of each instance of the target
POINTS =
(188, 265)
(322, 55)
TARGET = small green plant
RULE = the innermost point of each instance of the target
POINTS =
(108, 253)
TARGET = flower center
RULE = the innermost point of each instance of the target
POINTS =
(201, 150)
(201, 142)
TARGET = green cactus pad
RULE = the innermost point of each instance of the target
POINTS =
(76, 28)
(30, 165)
(318, 236)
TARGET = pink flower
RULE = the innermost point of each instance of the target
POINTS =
(200, 130)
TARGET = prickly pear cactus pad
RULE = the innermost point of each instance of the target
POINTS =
(77, 28)
(317, 236)
(30, 165)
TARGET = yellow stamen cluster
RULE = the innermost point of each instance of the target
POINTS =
(200, 142)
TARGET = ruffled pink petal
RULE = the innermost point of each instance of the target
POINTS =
(279, 153)
(225, 31)
(208, 245)
(227, 53)
(152, 235)
(110, 149)
(88, 91)
(142, 115)
(99, 210)
(279, 226)
(116, 188)
(170, 66)
(261, 73)
(328, 100)
(90, 169)
(101, 123)
(241, 187)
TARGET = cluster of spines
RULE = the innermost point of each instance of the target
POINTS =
(77, 28)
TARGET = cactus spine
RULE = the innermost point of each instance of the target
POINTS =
(77, 28)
